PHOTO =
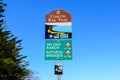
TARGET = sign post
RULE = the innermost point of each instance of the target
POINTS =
(58, 39)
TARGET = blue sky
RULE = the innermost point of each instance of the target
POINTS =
(96, 36)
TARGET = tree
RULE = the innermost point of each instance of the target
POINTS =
(34, 75)
(12, 63)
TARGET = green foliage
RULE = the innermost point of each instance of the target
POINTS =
(12, 65)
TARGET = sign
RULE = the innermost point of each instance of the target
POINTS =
(58, 25)
(58, 35)
(58, 50)
(58, 68)
(58, 31)
(58, 16)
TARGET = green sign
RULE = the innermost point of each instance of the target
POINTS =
(58, 49)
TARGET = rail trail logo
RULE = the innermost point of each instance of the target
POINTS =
(58, 32)
(58, 70)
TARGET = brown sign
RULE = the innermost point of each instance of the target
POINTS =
(58, 16)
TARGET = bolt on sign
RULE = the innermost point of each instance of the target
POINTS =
(58, 50)
(58, 68)
(58, 35)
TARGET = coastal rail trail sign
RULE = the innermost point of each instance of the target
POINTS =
(58, 36)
